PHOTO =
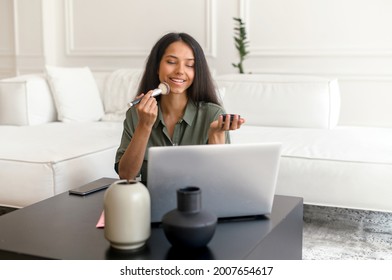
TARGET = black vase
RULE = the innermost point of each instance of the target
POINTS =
(189, 225)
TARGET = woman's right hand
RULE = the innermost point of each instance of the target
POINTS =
(147, 109)
(132, 160)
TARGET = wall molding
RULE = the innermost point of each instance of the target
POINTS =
(276, 51)
(319, 52)
(71, 50)
(6, 43)
(16, 26)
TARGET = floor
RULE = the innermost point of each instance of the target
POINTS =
(346, 234)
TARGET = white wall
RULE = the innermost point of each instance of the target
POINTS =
(347, 39)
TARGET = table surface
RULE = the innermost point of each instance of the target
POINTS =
(64, 227)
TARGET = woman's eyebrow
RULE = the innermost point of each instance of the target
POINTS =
(176, 57)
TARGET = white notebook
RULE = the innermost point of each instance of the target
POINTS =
(236, 180)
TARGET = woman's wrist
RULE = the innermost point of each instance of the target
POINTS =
(143, 129)
(217, 137)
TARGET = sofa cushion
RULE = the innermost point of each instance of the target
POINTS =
(26, 100)
(120, 88)
(75, 93)
(282, 100)
(344, 143)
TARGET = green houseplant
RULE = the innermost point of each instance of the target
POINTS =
(241, 43)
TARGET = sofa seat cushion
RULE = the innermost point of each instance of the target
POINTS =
(57, 141)
(37, 162)
(356, 144)
(345, 167)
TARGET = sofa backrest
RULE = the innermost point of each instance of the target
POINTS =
(282, 100)
(266, 100)
(30, 100)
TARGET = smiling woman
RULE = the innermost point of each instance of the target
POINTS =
(189, 115)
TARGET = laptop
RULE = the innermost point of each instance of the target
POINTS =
(236, 180)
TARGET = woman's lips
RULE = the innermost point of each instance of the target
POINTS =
(177, 81)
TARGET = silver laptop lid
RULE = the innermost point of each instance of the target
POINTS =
(235, 179)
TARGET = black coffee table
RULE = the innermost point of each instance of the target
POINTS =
(64, 227)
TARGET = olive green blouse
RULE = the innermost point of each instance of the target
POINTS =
(192, 129)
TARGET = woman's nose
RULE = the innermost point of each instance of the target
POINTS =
(180, 68)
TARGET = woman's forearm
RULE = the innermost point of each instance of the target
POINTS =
(132, 160)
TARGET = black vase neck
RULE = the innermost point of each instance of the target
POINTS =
(189, 199)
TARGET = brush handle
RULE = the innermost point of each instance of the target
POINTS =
(163, 88)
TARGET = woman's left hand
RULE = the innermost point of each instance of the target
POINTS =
(216, 134)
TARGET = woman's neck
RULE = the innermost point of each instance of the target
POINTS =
(173, 109)
(173, 106)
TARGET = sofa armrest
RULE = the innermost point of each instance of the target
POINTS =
(26, 100)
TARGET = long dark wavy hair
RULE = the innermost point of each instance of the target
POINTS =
(202, 88)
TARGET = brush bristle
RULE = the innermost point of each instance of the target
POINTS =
(164, 87)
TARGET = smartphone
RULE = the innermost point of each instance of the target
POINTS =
(92, 187)
(231, 117)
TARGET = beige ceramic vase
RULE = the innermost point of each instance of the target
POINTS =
(127, 213)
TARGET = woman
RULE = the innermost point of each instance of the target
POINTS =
(189, 115)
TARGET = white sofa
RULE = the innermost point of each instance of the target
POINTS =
(60, 132)
(322, 161)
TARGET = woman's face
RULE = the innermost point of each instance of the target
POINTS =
(177, 67)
